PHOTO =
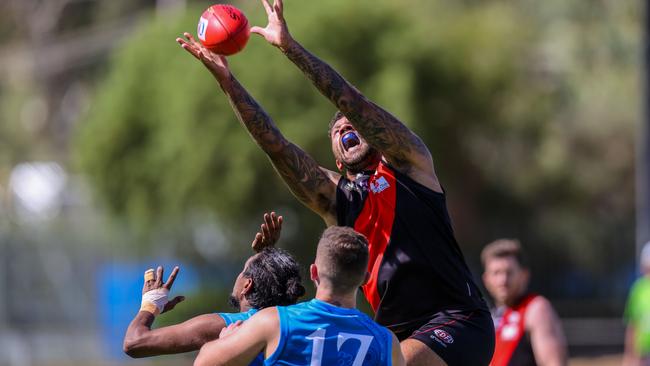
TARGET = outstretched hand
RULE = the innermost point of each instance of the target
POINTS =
(154, 282)
(269, 232)
(216, 63)
(276, 32)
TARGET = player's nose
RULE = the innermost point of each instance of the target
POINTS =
(345, 128)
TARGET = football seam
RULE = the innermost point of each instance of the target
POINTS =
(222, 25)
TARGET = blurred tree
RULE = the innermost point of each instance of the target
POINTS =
(528, 107)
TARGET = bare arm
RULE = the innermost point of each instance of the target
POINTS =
(258, 334)
(546, 334)
(396, 354)
(399, 145)
(312, 185)
(141, 341)
(630, 354)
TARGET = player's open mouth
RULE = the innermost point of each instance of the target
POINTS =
(350, 140)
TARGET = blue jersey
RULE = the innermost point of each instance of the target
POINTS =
(316, 333)
(230, 318)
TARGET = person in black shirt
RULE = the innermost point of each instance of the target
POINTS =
(420, 286)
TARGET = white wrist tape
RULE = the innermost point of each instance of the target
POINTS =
(154, 301)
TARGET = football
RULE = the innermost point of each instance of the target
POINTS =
(223, 29)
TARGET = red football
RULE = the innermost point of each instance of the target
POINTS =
(223, 29)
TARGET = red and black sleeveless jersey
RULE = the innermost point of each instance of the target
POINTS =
(513, 346)
(416, 266)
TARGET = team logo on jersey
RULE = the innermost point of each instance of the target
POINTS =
(379, 185)
(514, 317)
(443, 336)
(509, 332)
(203, 26)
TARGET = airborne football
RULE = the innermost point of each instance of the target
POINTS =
(223, 29)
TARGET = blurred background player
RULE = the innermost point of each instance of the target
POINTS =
(528, 331)
(270, 277)
(637, 316)
(389, 192)
(327, 330)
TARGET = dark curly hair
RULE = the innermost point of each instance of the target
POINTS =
(276, 279)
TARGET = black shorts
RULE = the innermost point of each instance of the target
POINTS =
(459, 337)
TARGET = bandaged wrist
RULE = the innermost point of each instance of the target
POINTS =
(154, 301)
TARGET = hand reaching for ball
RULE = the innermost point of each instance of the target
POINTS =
(276, 32)
(217, 64)
(269, 232)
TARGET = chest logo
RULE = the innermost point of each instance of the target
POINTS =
(379, 185)
(514, 317)
(509, 332)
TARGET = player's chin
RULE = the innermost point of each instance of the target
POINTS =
(360, 162)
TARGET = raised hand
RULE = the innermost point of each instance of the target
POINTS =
(269, 232)
(216, 63)
(153, 285)
(276, 32)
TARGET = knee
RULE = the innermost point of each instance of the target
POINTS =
(417, 353)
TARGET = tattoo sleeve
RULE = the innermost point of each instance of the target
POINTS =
(381, 129)
(313, 186)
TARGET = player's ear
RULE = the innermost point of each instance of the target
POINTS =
(339, 165)
(248, 286)
(313, 273)
(366, 278)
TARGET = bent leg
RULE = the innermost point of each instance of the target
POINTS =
(417, 353)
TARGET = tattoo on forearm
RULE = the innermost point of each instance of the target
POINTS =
(299, 170)
(253, 117)
(378, 126)
(305, 178)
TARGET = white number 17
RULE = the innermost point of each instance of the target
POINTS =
(318, 338)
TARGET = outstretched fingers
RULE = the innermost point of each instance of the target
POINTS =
(258, 242)
(258, 30)
(279, 7)
(278, 222)
(268, 227)
(190, 38)
(191, 45)
(172, 278)
(159, 275)
(267, 7)
(189, 48)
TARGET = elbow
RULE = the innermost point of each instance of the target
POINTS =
(202, 361)
(131, 348)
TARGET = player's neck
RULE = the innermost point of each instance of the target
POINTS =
(244, 306)
(343, 301)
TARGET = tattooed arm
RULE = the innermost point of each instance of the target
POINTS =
(398, 144)
(313, 185)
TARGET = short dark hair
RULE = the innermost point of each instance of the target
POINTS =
(503, 248)
(276, 279)
(337, 116)
(343, 253)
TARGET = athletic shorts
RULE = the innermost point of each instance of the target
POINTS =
(459, 337)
